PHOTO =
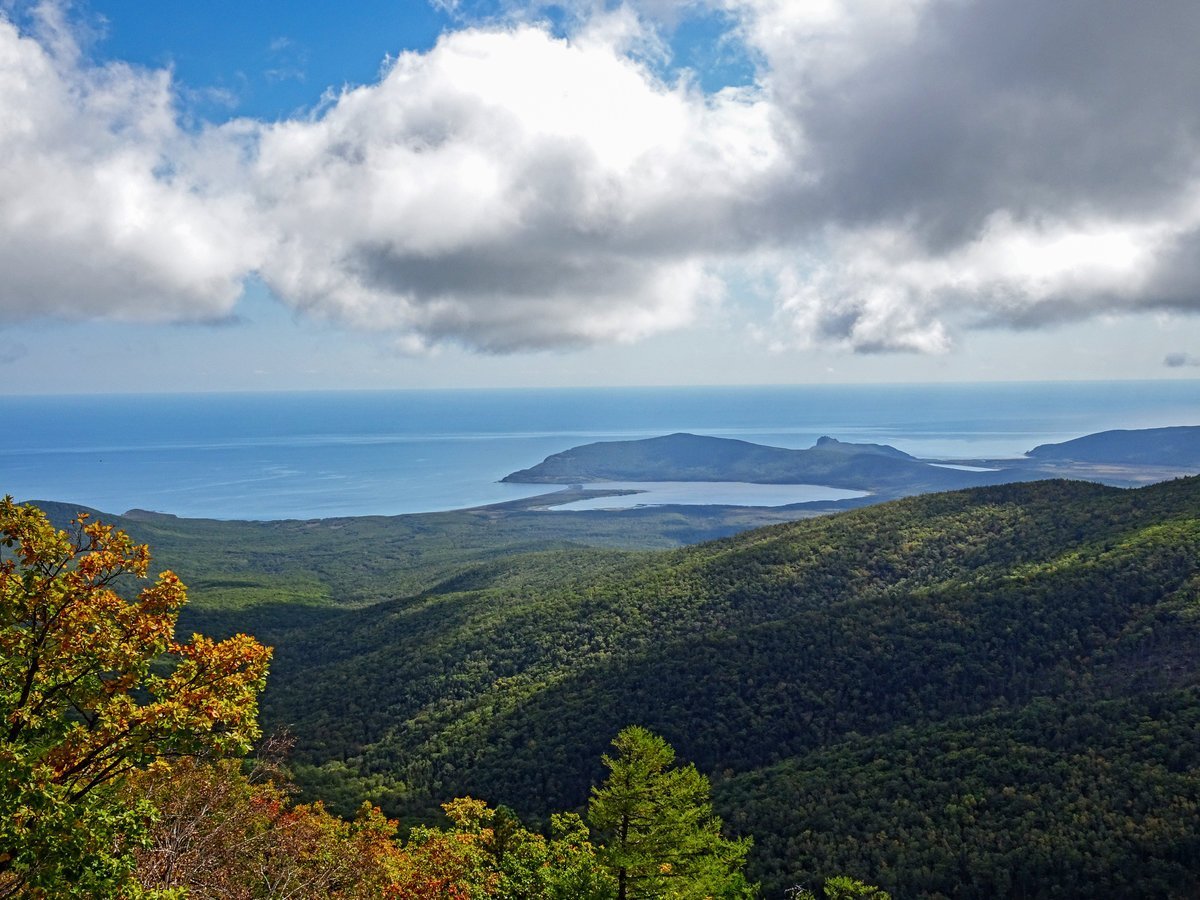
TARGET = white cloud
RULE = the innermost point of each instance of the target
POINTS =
(510, 190)
(904, 169)
(93, 222)
(881, 289)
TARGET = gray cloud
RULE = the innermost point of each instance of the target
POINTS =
(1180, 360)
(903, 170)
(1071, 107)
(982, 163)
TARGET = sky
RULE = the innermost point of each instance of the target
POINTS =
(441, 193)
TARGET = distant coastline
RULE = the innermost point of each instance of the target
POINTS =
(1123, 458)
(314, 455)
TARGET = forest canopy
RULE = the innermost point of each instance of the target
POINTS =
(914, 694)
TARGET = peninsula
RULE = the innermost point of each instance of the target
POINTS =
(1120, 458)
(877, 468)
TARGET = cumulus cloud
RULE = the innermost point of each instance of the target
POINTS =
(95, 221)
(507, 190)
(902, 170)
(512, 190)
(982, 163)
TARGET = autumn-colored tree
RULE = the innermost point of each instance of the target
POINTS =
(221, 833)
(94, 685)
(450, 864)
(488, 853)
(211, 822)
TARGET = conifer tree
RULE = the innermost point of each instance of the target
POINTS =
(661, 837)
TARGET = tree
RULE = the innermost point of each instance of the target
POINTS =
(662, 839)
(222, 834)
(93, 685)
(841, 887)
(489, 853)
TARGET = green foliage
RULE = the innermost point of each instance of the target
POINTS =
(661, 837)
(53, 844)
(489, 853)
(841, 887)
(970, 694)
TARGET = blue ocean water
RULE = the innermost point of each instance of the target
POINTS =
(309, 455)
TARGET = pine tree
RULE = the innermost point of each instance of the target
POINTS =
(661, 837)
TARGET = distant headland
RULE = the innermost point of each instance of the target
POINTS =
(1122, 458)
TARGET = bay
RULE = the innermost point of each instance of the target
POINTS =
(310, 455)
(721, 493)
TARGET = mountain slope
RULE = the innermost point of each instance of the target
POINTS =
(833, 649)
(1178, 446)
(990, 692)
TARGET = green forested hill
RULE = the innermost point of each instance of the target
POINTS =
(267, 576)
(984, 693)
(1042, 636)
(1172, 446)
(1059, 797)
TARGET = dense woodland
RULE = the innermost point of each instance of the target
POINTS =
(983, 693)
(122, 772)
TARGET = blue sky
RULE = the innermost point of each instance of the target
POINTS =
(272, 196)
(265, 59)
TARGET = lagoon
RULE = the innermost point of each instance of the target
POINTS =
(720, 493)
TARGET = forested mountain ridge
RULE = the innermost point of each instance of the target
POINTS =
(983, 693)
(815, 648)
(261, 576)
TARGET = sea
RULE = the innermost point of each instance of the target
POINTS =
(270, 456)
